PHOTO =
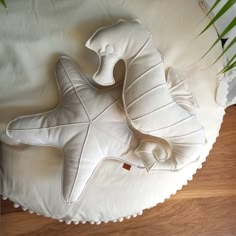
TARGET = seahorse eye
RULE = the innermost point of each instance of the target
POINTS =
(109, 49)
(101, 51)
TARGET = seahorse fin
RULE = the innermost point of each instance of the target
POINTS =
(180, 92)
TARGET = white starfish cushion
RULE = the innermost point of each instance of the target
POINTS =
(88, 124)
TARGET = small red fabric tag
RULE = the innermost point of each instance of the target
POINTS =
(126, 166)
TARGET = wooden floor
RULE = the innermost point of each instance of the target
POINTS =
(206, 206)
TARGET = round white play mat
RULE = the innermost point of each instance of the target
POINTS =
(34, 34)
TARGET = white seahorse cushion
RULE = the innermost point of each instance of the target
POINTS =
(31, 175)
(148, 102)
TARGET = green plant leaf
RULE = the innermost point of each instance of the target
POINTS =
(213, 7)
(3, 3)
(228, 4)
(224, 8)
(231, 61)
(230, 26)
(233, 41)
(230, 67)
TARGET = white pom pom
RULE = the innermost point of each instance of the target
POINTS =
(60, 220)
(83, 222)
(76, 222)
(92, 222)
(98, 222)
(128, 217)
(4, 198)
(140, 213)
(121, 219)
(31, 212)
(16, 205)
(68, 222)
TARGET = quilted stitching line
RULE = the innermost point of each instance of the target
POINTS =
(169, 126)
(94, 119)
(184, 135)
(149, 113)
(142, 75)
(51, 127)
(79, 98)
(143, 95)
(77, 171)
(140, 50)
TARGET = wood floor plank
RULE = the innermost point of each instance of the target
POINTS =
(205, 207)
(174, 217)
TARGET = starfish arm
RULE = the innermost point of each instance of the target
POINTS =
(70, 82)
(33, 129)
(44, 128)
(36, 130)
(69, 79)
(80, 163)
